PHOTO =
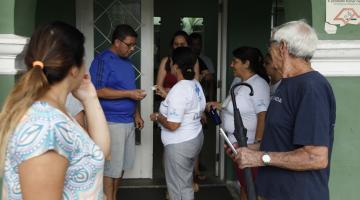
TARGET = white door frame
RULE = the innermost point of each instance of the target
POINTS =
(144, 152)
(221, 78)
(84, 22)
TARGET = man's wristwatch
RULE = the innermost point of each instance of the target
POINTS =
(266, 158)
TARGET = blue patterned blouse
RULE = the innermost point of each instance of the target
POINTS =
(46, 128)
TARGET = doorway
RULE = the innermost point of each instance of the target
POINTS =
(190, 16)
(148, 158)
(97, 20)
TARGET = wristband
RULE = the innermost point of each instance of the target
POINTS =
(257, 142)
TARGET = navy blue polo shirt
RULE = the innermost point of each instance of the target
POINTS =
(301, 112)
(108, 70)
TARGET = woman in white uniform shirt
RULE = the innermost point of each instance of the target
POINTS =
(248, 65)
(275, 76)
(181, 132)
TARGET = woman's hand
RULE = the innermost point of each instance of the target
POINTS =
(161, 119)
(214, 104)
(203, 118)
(161, 91)
(86, 90)
(154, 116)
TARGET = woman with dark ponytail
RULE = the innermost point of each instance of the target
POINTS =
(247, 64)
(42, 147)
(181, 129)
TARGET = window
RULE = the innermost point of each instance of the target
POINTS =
(192, 24)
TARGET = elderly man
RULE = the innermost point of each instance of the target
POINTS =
(299, 129)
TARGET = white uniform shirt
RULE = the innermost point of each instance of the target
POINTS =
(184, 104)
(249, 107)
(274, 87)
(73, 105)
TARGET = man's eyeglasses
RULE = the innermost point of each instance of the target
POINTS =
(130, 46)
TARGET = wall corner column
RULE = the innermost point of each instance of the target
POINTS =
(12, 49)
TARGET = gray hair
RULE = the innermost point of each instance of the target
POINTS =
(301, 39)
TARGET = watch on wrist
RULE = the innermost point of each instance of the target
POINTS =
(266, 158)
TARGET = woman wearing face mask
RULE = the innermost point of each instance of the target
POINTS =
(42, 147)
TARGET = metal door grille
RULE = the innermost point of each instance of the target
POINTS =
(107, 15)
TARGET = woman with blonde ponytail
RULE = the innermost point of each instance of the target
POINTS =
(44, 153)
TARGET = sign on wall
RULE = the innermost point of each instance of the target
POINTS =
(340, 13)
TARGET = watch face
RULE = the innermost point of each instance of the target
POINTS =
(266, 158)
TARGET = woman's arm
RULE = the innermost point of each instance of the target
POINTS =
(95, 118)
(157, 117)
(197, 70)
(161, 73)
(260, 126)
(97, 125)
(43, 177)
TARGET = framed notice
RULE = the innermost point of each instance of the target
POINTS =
(340, 13)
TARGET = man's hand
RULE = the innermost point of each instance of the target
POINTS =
(245, 157)
(248, 158)
(229, 152)
(137, 94)
(139, 122)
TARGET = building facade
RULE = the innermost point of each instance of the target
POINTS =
(227, 24)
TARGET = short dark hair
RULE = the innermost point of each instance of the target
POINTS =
(255, 58)
(196, 36)
(185, 58)
(122, 31)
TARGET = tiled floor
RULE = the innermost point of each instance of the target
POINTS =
(157, 192)
(154, 189)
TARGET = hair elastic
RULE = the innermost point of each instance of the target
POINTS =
(38, 63)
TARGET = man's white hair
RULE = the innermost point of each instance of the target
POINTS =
(300, 38)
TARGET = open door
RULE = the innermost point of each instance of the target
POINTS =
(171, 16)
